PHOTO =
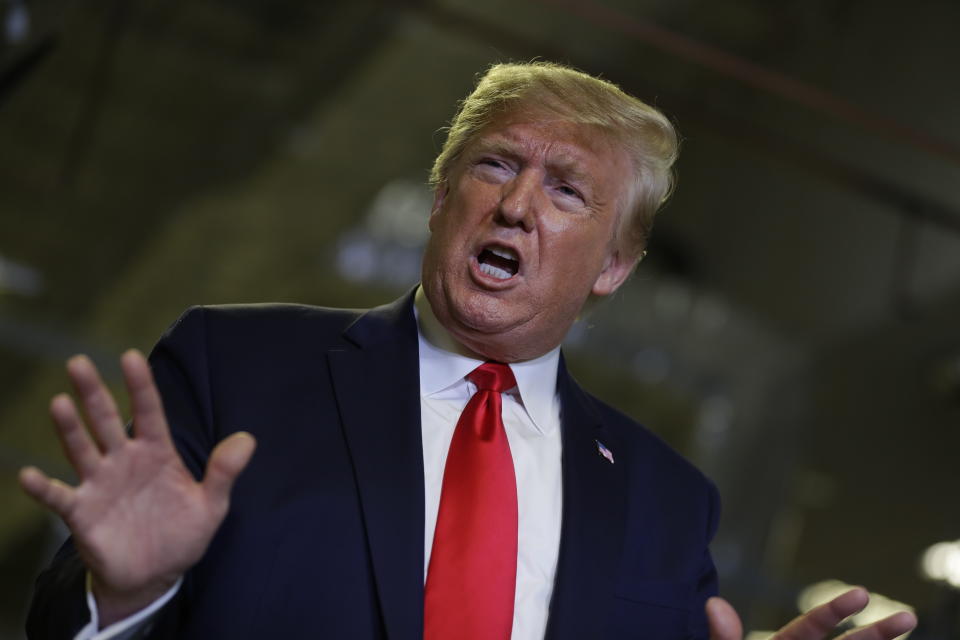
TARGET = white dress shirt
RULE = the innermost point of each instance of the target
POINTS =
(531, 418)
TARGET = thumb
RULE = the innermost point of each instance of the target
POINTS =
(226, 462)
(723, 620)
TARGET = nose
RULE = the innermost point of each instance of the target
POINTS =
(518, 200)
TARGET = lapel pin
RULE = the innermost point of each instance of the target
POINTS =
(603, 451)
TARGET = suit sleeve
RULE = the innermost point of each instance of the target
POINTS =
(179, 362)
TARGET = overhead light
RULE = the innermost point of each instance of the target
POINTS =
(16, 24)
(941, 563)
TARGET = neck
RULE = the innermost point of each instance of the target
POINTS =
(434, 331)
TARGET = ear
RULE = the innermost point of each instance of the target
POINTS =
(616, 269)
(439, 194)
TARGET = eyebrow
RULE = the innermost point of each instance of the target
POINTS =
(569, 167)
(565, 163)
(499, 146)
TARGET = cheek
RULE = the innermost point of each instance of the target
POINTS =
(443, 227)
(459, 209)
(575, 248)
(571, 229)
(556, 225)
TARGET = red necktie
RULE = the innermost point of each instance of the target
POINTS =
(473, 566)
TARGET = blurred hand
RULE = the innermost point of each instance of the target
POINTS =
(816, 624)
(138, 518)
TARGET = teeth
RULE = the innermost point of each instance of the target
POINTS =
(496, 272)
(509, 254)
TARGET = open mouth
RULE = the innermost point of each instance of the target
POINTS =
(499, 262)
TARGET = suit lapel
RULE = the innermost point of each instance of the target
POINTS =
(379, 406)
(377, 390)
(594, 504)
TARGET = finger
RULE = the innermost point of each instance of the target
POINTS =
(723, 620)
(886, 629)
(77, 444)
(149, 420)
(51, 493)
(98, 404)
(819, 621)
(226, 462)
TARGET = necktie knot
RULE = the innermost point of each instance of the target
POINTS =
(493, 376)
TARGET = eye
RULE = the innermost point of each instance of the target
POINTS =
(569, 192)
(492, 162)
(492, 169)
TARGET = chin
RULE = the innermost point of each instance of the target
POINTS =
(483, 313)
(494, 327)
(489, 347)
(503, 339)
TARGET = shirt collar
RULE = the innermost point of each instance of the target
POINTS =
(441, 368)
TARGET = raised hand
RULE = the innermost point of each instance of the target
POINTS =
(139, 519)
(815, 624)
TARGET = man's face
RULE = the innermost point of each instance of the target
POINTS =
(522, 233)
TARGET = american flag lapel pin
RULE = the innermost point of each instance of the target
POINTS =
(603, 451)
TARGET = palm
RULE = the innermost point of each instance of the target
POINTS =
(138, 517)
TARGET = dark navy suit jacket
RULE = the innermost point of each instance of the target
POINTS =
(324, 538)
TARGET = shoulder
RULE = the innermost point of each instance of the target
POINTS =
(270, 315)
(267, 324)
(641, 437)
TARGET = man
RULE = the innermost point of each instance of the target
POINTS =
(505, 502)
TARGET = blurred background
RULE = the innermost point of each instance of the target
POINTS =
(794, 329)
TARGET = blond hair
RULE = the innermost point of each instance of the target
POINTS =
(646, 134)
